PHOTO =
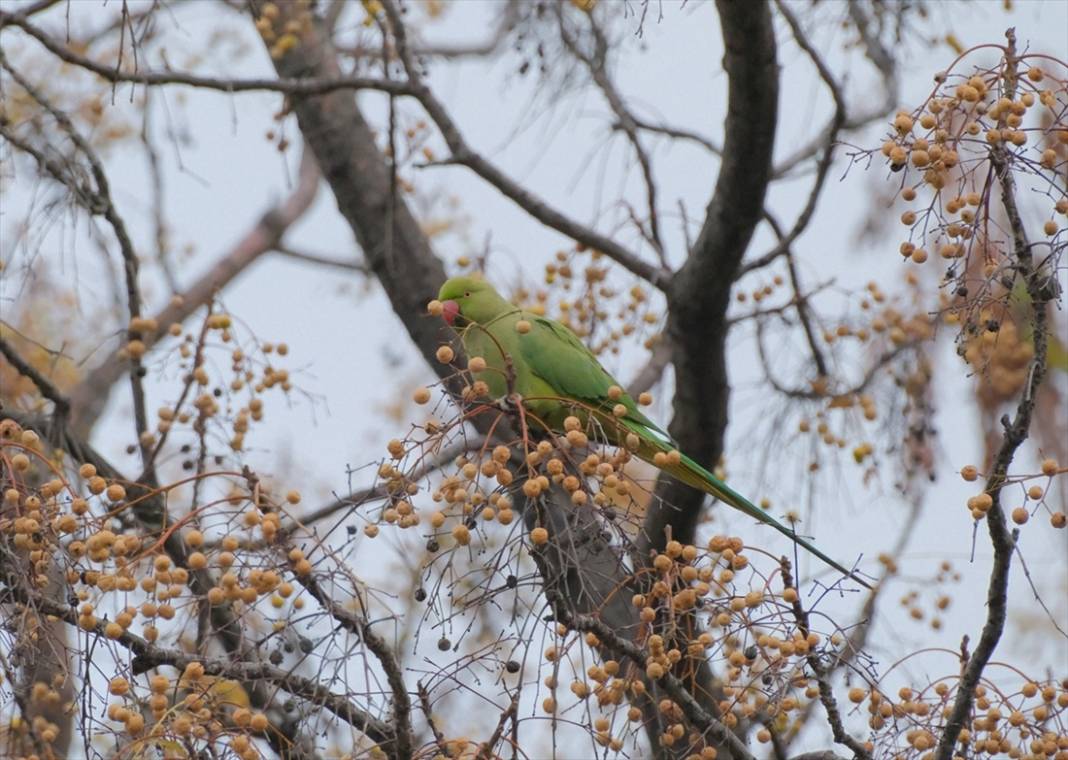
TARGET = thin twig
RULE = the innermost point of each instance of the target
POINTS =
(148, 656)
(1016, 432)
(597, 64)
(104, 205)
(285, 86)
(464, 155)
(44, 385)
(827, 698)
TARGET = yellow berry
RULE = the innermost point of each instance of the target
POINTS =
(539, 536)
(445, 354)
(522, 327)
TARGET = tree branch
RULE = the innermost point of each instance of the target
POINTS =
(44, 386)
(699, 295)
(149, 507)
(308, 86)
(1016, 432)
(104, 205)
(464, 155)
(597, 65)
(90, 397)
(827, 698)
(149, 656)
(877, 53)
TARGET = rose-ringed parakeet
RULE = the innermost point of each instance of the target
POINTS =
(558, 377)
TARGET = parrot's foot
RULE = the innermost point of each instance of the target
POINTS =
(509, 403)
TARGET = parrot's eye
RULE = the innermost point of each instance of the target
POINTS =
(467, 294)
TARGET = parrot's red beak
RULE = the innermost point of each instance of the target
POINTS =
(449, 311)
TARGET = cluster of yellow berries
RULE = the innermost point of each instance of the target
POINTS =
(948, 142)
(198, 708)
(1025, 724)
(116, 579)
(476, 489)
(937, 599)
(981, 503)
(253, 373)
(282, 37)
(586, 300)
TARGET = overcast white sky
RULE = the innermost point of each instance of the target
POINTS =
(355, 358)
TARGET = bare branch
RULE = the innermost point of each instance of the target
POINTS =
(311, 86)
(90, 397)
(597, 65)
(326, 261)
(464, 155)
(506, 21)
(700, 291)
(887, 67)
(44, 385)
(678, 133)
(24, 13)
(104, 205)
(1016, 432)
(149, 656)
(830, 140)
(401, 739)
(650, 374)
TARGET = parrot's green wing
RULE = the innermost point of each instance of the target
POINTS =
(557, 356)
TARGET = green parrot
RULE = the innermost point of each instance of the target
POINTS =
(558, 377)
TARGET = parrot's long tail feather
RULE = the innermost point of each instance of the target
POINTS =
(696, 476)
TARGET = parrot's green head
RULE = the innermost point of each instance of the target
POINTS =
(471, 298)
